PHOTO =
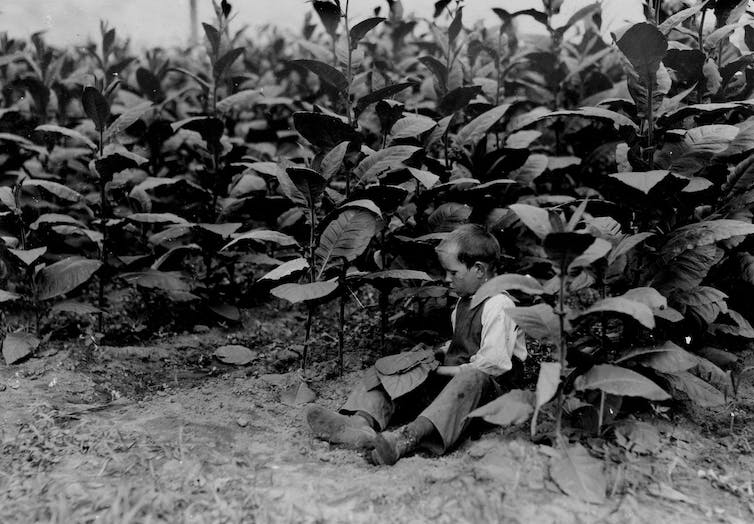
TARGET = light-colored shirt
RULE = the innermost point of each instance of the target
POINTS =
(501, 338)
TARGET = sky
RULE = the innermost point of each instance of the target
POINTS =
(166, 22)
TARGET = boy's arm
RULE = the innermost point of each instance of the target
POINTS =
(448, 371)
(501, 339)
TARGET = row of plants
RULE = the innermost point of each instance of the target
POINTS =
(616, 174)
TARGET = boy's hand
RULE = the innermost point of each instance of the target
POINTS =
(448, 371)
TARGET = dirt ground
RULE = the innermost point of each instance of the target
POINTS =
(164, 433)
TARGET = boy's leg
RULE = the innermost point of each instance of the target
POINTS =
(370, 399)
(464, 393)
(368, 407)
(441, 424)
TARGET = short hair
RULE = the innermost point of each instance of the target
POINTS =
(474, 243)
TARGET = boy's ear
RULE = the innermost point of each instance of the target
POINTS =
(481, 268)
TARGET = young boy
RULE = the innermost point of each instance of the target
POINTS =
(484, 342)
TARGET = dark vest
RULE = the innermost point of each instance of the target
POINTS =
(467, 336)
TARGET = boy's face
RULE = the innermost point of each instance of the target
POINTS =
(464, 280)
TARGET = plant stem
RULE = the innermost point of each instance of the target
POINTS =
(37, 306)
(312, 247)
(601, 415)
(700, 42)
(657, 12)
(104, 215)
(562, 359)
(651, 120)
(342, 319)
(19, 215)
(349, 74)
(499, 64)
(309, 318)
(384, 304)
(216, 177)
(448, 165)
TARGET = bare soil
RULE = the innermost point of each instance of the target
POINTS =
(164, 433)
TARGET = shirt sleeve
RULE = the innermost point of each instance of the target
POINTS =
(501, 339)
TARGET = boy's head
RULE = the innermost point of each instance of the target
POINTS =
(469, 256)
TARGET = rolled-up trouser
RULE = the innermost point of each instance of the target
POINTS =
(444, 401)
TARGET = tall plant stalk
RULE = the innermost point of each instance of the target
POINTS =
(104, 217)
(651, 120)
(312, 278)
(342, 318)
(700, 42)
(561, 321)
(349, 72)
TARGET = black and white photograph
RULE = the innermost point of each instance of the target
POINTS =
(376, 261)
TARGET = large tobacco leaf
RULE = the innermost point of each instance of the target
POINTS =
(64, 276)
(535, 218)
(704, 302)
(169, 281)
(383, 160)
(702, 234)
(326, 73)
(28, 256)
(260, 236)
(666, 358)
(287, 269)
(70, 133)
(380, 94)
(398, 384)
(54, 188)
(590, 113)
(687, 270)
(473, 132)
(17, 346)
(96, 107)
(361, 29)
(127, 118)
(538, 321)
(346, 238)
(309, 183)
(619, 381)
(329, 13)
(448, 216)
(548, 382)
(507, 282)
(411, 126)
(644, 181)
(295, 293)
(695, 389)
(580, 475)
(322, 130)
(644, 45)
(622, 306)
(514, 407)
